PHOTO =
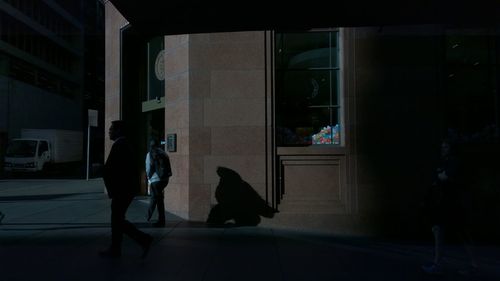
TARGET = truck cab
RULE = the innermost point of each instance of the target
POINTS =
(27, 155)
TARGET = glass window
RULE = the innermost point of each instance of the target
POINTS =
(308, 102)
(470, 88)
(21, 148)
(44, 146)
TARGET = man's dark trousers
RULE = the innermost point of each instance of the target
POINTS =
(120, 226)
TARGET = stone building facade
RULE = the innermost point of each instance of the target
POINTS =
(222, 98)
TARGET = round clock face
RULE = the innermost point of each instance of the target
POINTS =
(160, 66)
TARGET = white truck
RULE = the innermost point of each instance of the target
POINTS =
(37, 149)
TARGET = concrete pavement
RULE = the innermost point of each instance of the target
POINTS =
(53, 230)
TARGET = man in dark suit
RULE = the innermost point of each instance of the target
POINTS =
(122, 184)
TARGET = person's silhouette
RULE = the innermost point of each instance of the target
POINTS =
(447, 208)
(121, 179)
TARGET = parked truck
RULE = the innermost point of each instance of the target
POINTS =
(39, 149)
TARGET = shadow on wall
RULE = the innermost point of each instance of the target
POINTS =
(238, 201)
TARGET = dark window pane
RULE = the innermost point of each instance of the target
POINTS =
(317, 58)
(42, 148)
(467, 50)
(307, 87)
(305, 50)
(335, 87)
(334, 54)
(319, 118)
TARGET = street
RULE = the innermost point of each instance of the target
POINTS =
(53, 230)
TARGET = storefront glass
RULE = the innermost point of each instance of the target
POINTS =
(307, 89)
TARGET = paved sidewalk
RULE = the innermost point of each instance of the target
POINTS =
(53, 230)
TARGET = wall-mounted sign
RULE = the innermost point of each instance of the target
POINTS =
(156, 68)
(171, 142)
(160, 65)
(93, 117)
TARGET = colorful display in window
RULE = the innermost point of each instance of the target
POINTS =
(327, 135)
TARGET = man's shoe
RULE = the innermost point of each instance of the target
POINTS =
(433, 269)
(159, 224)
(146, 246)
(109, 254)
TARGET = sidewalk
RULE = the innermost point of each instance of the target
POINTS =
(53, 230)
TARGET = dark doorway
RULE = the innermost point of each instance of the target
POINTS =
(133, 65)
(155, 124)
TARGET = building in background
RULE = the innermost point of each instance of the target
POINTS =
(50, 65)
(336, 127)
(93, 80)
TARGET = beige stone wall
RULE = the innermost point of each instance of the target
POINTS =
(215, 103)
(114, 21)
(177, 121)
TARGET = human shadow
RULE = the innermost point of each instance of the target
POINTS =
(238, 201)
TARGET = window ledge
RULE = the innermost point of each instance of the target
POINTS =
(312, 150)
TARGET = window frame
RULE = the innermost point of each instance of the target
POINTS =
(341, 105)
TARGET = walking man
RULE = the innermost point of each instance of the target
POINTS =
(448, 205)
(122, 184)
(158, 171)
